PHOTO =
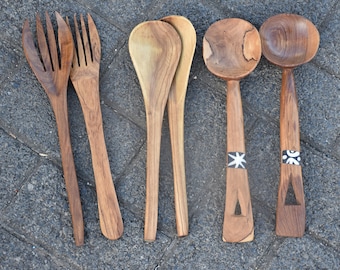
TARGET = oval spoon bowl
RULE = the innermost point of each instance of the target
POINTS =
(289, 40)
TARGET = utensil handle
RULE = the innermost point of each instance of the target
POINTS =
(154, 128)
(290, 219)
(110, 218)
(176, 124)
(237, 227)
(59, 106)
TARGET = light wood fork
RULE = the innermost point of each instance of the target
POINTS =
(85, 79)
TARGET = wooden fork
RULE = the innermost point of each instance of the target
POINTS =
(53, 76)
(85, 79)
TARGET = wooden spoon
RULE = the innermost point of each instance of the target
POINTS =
(289, 40)
(155, 49)
(231, 50)
(176, 117)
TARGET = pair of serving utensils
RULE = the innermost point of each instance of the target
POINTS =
(231, 50)
(80, 63)
(162, 53)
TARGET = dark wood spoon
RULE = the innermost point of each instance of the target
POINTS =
(289, 40)
(231, 50)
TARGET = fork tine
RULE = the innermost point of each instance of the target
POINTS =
(65, 41)
(80, 48)
(45, 55)
(75, 57)
(30, 50)
(51, 42)
(94, 39)
(85, 40)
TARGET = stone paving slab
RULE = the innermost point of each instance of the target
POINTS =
(206, 238)
(17, 162)
(9, 58)
(35, 222)
(259, 11)
(123, 14)
(322, 190)
(305, 253)
(49, 225)
(328, 55)
(34, 123)
(18, 254)
(263, 162)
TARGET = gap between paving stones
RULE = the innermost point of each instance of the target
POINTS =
(43, 250)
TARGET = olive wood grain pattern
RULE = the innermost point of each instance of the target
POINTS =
(85, 79)
(53, 76)
(289, 40)
(175, 105)
(155, 48)
(231, 50)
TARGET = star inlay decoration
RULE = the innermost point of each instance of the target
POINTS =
(236, 160)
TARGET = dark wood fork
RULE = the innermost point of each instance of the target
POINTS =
(53, 76)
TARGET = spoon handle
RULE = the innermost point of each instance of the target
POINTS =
(154, 121)
(59, 105)
(237, 227)
(176, 124)
(110, 219)
(290, 216)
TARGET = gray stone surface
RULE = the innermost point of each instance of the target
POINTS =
(18, 254)
(49, 225)
(116, 12)
(263, 162)
(34, 123)
(305, 253)
(35, 222)
(322, 189)
(17, 162)
(9, 58)
(258, 12)
(328, 55)
(204, 248)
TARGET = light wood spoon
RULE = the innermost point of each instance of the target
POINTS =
(231, 50)
(176, 103)
(289, 40)
(155, 48)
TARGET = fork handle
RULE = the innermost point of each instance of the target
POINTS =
(59, 105)
(110, 218)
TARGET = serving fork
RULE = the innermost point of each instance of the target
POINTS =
(85, 79)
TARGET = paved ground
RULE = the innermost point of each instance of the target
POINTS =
(35, 224)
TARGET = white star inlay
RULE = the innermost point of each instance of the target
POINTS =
(238, 160)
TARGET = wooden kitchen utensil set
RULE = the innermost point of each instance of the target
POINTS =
(162, 52)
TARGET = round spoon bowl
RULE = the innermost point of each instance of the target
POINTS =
(231, 48)
(289, 40)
